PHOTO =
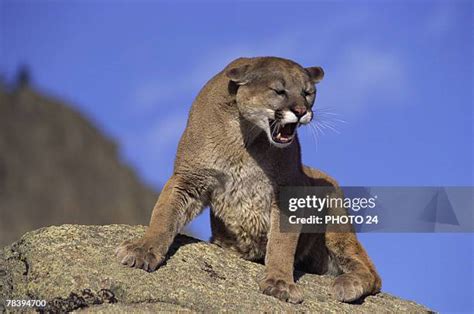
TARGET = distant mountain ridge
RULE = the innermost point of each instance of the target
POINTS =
(56, 167)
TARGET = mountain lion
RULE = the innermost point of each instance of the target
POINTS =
(239, 148)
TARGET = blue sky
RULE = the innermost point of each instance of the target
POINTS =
(399, 74)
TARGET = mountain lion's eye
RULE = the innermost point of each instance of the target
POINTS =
(280, 92)
(307, 93)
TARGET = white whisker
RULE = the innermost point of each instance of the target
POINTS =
(314, 133)
(324, 124)
(319, 128)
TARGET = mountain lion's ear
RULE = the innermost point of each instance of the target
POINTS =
(239, 75)
(316, 74)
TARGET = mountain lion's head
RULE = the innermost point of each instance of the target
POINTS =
(275, 94)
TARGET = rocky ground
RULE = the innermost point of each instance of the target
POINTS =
(72, 267)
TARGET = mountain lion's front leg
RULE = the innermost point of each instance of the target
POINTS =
(178, 203)
(279, 263)
(358, 276)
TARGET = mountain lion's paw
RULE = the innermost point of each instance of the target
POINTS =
(347, 288)
(139, 254)
(281, 289)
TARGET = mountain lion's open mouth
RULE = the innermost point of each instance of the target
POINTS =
(282, 133)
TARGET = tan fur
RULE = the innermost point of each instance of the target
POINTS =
(228, 161)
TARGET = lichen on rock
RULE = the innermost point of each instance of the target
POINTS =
(72, 267)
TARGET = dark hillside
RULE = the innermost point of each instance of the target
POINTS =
(56, 167)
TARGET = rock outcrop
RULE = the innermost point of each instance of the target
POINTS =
(72, 267)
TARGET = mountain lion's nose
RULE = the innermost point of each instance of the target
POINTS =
(299, 111)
